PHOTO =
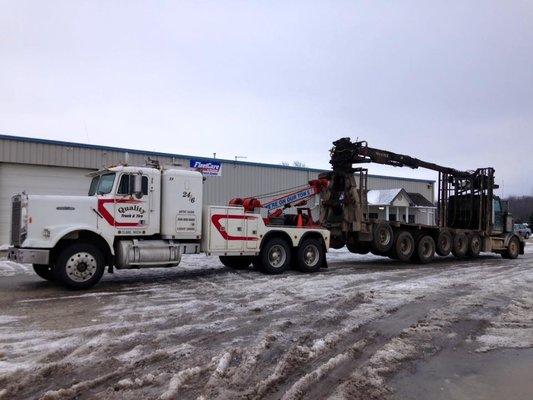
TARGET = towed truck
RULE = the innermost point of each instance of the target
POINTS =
(471, 219)
(141, 217)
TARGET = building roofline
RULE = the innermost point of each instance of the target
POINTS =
(170, 155)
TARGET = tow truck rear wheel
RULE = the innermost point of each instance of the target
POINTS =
(474, 246)
(236, 262)
(424, 250)
(44, 271)
(79, 266)
(275, 256)
(513, 249)
(310, 255)
(460, 245)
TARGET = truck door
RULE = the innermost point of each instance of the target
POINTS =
(131, 212)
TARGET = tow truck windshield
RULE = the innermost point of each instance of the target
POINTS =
(102, 184)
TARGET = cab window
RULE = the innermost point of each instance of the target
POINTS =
(126, 181)
(105, 185)
(102, 184)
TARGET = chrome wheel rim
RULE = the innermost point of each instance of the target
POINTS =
(276, 256)
(311, 255)
(81, 267)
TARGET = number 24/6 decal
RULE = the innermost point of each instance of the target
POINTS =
(189, 195)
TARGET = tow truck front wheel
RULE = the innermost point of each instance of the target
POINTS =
(79, 266)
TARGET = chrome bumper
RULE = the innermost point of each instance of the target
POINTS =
(29, 256)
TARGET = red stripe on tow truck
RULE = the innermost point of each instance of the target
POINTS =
(215, 219)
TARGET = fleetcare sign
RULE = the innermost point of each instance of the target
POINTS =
(206, 167)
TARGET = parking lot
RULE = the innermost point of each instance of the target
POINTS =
(366, 327)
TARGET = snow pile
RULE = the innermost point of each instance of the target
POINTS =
(9, 268)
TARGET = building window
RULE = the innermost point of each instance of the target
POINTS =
(373, 215)
(392, 217)
(411, 219)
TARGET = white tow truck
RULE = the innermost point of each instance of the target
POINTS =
(137, 217)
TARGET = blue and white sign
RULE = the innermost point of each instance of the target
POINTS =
(207, 167)
(291, 198)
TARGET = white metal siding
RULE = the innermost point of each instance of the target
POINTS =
(15, 178)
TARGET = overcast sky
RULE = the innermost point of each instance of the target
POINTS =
(449, 82)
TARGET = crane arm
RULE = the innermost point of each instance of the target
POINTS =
(345, 153)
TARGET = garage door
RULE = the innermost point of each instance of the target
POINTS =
(35, 179)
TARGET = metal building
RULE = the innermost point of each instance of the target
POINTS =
(41, 166)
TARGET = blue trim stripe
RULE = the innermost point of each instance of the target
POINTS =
(170, 155)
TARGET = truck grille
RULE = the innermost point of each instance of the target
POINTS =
(16, 209)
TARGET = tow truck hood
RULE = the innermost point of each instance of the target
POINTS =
(50, 217)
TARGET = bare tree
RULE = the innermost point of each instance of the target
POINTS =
(299, 164)
(521, 207)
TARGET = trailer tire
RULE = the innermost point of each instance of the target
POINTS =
(310, 255)
(275, 256)
(236, 262)
(513, 249)
(404, 246)
(355, 246)
(424, 250)
(444, 244)
(474, 246)
(460, 245)
(44, 271)
(79, 266)
(382, 237)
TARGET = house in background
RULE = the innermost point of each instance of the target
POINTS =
(398, 205)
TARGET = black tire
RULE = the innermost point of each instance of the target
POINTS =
(79, 266)
(460, 245)
(355, 246)
(424, 250)
(444, 244)
(275, 256)
(382, 237)
(44, 271)
(474, 246)
(236, 262)
(337, 242)
(404, 246)
(310, 255)
(513, 249)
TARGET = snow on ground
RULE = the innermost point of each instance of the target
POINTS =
(204, 331)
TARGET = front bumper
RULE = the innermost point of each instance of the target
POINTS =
(28, 256)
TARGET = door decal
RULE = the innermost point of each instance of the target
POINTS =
(130, 205)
